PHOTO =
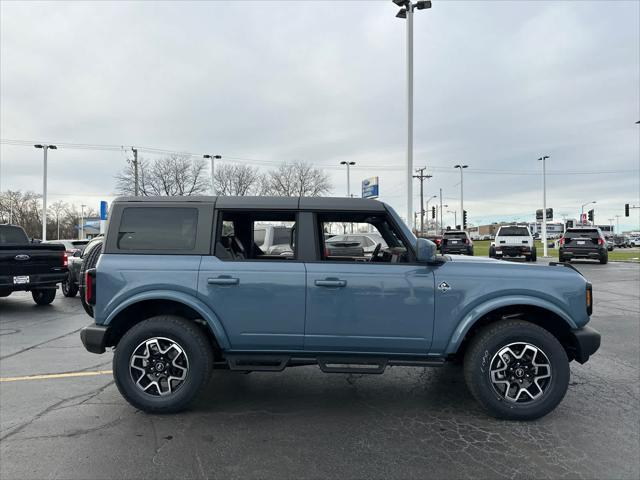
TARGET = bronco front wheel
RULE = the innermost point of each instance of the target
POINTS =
(162, 364)
(516, 370)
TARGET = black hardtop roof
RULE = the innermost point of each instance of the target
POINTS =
(275, 203)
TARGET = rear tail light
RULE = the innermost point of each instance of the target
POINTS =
(600, 241)
(561, 242)
(90, 286)
(65, 259)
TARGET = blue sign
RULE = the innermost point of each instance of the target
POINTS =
(370, 188)
(103, 210)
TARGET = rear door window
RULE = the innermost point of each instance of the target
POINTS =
(158, 228)
(513, 232)
(581, 234)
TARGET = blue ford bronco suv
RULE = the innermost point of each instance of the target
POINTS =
(182, 287)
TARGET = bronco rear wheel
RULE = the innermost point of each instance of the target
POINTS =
(161, 364)
(516, 370)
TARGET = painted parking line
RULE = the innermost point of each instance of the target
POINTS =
(56, 375)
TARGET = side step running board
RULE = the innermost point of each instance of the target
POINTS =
(260, 363)
(352, 365)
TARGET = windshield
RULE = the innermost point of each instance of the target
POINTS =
(513, 232)
(582, 233)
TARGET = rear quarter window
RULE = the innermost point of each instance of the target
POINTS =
(158, 228)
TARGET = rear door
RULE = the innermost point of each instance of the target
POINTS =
(259, 297)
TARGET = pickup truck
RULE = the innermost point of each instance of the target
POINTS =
(514, 241)
(27, 266)
(181, 288)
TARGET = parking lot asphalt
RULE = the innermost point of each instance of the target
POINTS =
(407, 423)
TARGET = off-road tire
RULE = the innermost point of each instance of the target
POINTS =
(477, 362)
(492, 252)
(534, 255)
(69, 289)
(88, 263)
(604, 259)
(195, 344)
(43, 297)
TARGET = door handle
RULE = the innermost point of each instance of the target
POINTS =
(331, 283)
(223, 281)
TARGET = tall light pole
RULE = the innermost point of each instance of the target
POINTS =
(213, 159)
(582, 210)
(406, 12)
(455, 218)
(349, 165)
(544, 204)
(82, 222)
(618, 224)
(461, 167)
(427, 209)
(44, 189)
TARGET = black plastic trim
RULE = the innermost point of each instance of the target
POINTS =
(586, 342)
(94, 338)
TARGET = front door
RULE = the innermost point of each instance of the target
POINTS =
(381, 302)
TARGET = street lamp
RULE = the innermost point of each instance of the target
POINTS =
(348, 164)
(544, 204)
(82, 222)
(427, 210)
(213, 159)
(455, 217)
(406, 12)
(582, 211)
(461, 167)
(44, 188)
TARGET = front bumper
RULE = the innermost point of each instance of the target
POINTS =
(585, 342)
(94, 338)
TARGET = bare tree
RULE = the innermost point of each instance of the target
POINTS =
(297, 179)
(174, 175)
(237, 180)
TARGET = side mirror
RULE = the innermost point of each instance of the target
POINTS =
(425, 250)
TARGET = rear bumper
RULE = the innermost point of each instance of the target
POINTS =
(94, 338)
(586, 342)
(583, 252)
(37, 281)
(512, 251)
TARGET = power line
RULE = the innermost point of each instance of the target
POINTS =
(265, 162)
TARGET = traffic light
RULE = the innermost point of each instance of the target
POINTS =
(464, 219)
(590, 215)
(626, 209)
(433, 212)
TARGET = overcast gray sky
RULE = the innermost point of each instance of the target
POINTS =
(497, 85)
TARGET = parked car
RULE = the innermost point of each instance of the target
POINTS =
(514, 241)
(71, 284)
(273, 240)
(31, 267)
(457, 242)
(178, 296)
(621, 241)
(609, 243)
(437, 239)
(71, 246)
(634, 241)
(354, 244)
(584, 243)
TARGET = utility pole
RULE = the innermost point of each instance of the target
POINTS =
(135, 171)
(44, 189)
(461, 167)
(406, 12)
(421, 176)
(213, 159)
(544, 204)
